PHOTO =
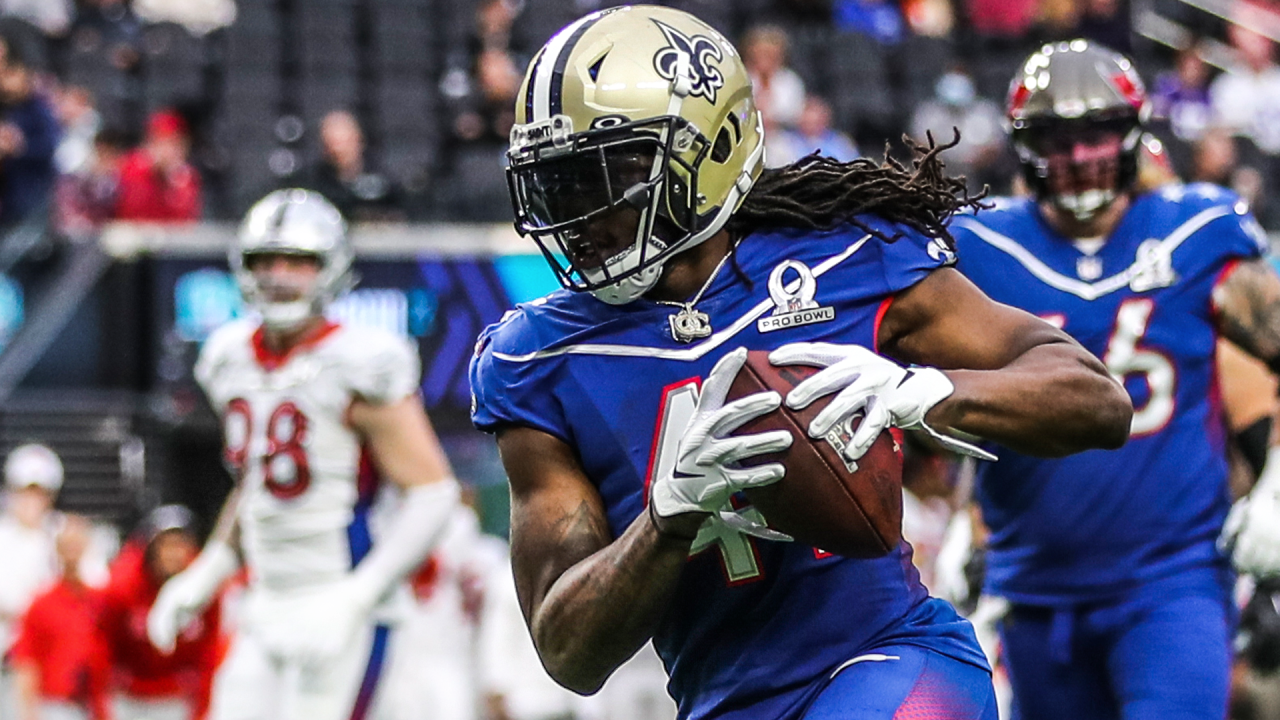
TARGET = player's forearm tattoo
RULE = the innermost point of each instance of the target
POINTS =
(582, 527)
(1248, 305)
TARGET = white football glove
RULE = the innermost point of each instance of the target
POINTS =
(1252, 530)
(888, 394)
(706, 472)
(185, 595)
(327, 624)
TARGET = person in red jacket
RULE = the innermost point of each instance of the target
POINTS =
(157, 183)
(148, 683)
(59, 658)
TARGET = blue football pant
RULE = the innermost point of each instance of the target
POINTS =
(906, 682)
(1167, 660)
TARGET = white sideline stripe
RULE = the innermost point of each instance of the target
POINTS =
(871, 657)
(690, 353)
(1079, 288)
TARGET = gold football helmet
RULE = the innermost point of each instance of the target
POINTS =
(639, 112)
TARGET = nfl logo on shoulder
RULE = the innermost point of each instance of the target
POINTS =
(793, 304)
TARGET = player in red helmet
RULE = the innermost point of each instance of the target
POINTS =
(1120, 597)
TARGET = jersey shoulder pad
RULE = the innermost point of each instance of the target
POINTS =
(1235, 232)
(382, 367)
(221, 348)
(1003, 214)
(510, 383)
(541, 323)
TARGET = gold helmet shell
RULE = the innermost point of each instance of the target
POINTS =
(640, 107)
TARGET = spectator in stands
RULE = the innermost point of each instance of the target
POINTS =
(955, 105)
(880, 20)
(199, 17)
(1246, 98)
(344, 176)
(86, 199)
(778, 89)
(108, 27)
(147, 684)
(1181, 96)
(480, 91)
(80, 125)
(1001, 19)
(485, 112)
(812, 133)
(157, 181)
(1106, 22)
(32, 477)
(52, 17)
(1214, 157)
(929, 18)
(29, 136)
(59, 659)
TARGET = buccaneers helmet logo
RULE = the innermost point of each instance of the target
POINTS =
(702, 51)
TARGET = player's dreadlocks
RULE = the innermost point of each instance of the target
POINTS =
(820, 193)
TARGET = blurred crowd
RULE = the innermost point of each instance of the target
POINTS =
(175, 111)
(73, 614)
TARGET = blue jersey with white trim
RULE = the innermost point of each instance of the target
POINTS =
(754, 625)
(1094, 525)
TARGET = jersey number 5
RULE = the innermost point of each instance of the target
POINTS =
(1125, 356)
(286, 432)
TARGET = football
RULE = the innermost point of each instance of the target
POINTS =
(851, 509)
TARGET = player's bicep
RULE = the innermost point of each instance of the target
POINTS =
(945, 321)
(557, 516)
(1247, 308)
(403, 443)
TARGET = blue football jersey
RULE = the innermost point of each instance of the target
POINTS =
(1092, 526)
(754, 625)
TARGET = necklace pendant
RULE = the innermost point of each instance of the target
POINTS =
(689, 325)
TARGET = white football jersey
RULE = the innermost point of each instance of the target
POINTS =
(285, 435)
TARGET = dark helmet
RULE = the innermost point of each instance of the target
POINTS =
(1072, 92)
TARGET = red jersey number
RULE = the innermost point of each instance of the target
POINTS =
(286, 472)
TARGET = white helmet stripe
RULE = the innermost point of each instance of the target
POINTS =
(544, 73)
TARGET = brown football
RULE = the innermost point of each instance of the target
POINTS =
(821, 501)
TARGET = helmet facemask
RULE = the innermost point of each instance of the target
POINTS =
(1080, 166)
(607, 206)
(263, 291)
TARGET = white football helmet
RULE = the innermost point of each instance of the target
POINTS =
(294, 222)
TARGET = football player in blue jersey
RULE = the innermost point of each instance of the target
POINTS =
(1119, 596)
(636, 164)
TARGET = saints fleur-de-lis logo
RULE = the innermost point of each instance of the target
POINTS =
(702, 52)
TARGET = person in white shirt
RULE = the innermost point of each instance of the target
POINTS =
(779, 91)
(28, 560)
(314, 414)
(1246, 98)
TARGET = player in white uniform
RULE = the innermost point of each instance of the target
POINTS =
(313, 413)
